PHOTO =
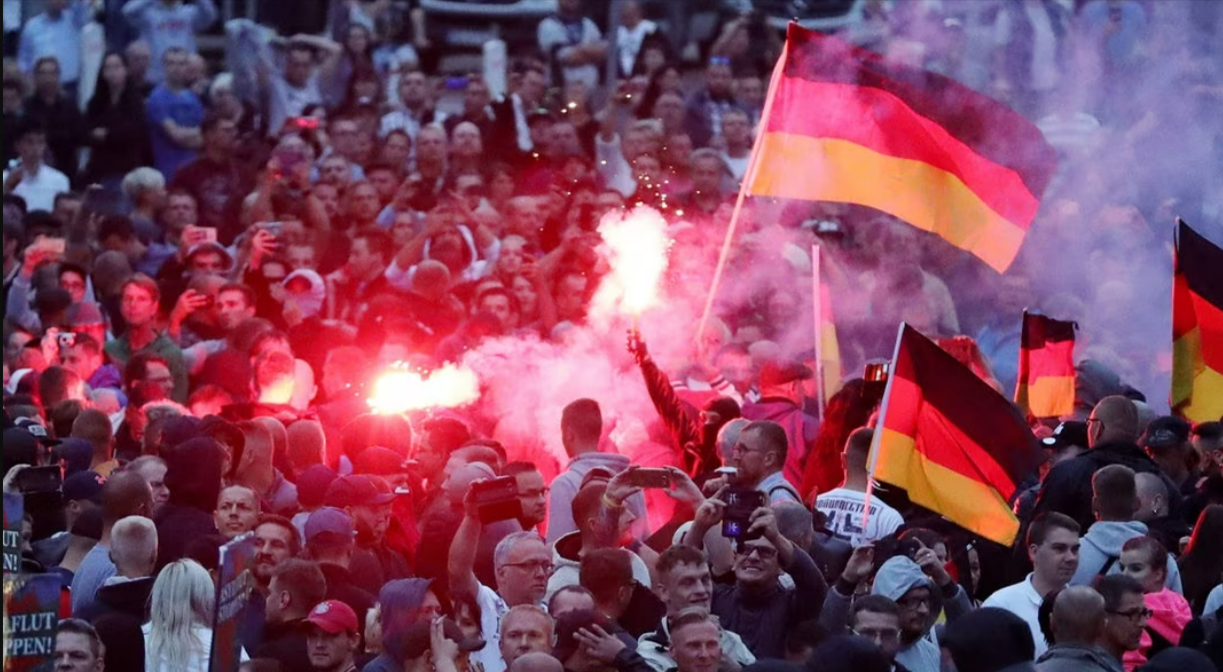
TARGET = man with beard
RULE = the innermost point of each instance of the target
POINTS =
(1053, 546)
(276, 540)
(532, 493)
(367, 500)
(296, 586)
(684, 581)
(332, 637)
(756, 606)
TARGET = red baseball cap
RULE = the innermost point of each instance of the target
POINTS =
(333, 616)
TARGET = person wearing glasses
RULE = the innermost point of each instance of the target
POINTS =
(1145, 560)
(522, 564)
(877, 618)
(1125, 615)
(755, 606)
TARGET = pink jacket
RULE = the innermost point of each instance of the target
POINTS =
(1170, 615)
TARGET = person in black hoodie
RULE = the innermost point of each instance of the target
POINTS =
(193, 475)
(1112, 432)
(297, 585)
(992, 640)
(133, 549)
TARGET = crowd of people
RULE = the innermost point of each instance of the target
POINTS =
(207, 268)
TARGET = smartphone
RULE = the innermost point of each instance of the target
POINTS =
(39, 479)
(276, 228)
(289, 158)
(497, 499)
(66, 340)
(650, 478)
(309, 123)
(740, 504)
(54, 245)
(455, 83)
(208, 234)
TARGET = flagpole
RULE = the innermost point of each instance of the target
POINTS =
(817, 301)
(877, 438)
(748, 178)
(1022, 376)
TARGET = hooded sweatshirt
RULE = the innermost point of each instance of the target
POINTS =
(898, 576)
(568, 565)
(565, 487)
(1073, 657)
(193, 475)
(474, 267)
(1170, 614)
(1103, 542)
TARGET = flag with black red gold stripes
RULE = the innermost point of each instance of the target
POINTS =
(1197, 327)
(1045, 384)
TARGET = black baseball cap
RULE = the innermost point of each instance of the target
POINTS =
(1071, 433)
(1166, 432)
(358, 490)
(83, 485)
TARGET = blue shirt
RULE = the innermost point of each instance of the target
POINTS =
(61, 38)
(181, 107)
(95, 569)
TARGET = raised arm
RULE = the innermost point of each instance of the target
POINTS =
(205, 14)
(462, 561)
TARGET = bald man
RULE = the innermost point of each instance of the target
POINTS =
(1112, 434)
(1153, 511)
(536, 662)
(1078, 624)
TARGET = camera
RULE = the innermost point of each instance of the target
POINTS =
(740, 504)
(66, 340)
(496, 499)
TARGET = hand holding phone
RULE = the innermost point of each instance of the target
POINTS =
(650, 478)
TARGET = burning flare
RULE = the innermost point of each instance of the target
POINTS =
(401, 389)
(635, 247)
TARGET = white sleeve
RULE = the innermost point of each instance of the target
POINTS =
(400, 278)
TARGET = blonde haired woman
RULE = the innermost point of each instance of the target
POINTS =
(178, 635)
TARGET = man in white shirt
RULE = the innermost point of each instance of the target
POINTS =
(573, 45)
(842, 507)
(31, 179)
(737, 134)
(1053, 546)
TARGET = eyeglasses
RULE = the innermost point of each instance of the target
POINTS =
(1141, 614)
(540, 492)
(532, 567)
(913, 602)
(881, 635)
(741, 449)
(762, 552)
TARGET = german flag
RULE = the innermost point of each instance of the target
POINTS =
(955, 445)
(1045, 386)
(844, 124)
(1197, 327)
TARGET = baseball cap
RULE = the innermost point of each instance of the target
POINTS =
(83, 485)
(358, 490)
(210, 246)
(329, 520)
(1068, 434)
(775, 373)
(20, 447)
(312, 484)
(1165, 432)
(85, 314)
(76, 453)
(417, 638)
(333, 616)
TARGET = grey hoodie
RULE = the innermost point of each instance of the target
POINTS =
(1077, 658)
(565, 487)
(1103, 541)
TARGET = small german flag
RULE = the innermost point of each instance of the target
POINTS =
(1197, 327)
(843, 124)
(1045, 386)
(954, 444)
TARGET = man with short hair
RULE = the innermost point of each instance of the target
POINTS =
(216, 180)
(584, 644)
(32, 179)
(1153, 512)
(1053, 547)
(532, 493)
(333, 637)
(124, 494)
(1125, 614)
(1077, 622)
(581, 430)
(133, 549)
(684, 581)
(525, 629)
(169, 24)
(94, 426)
(153, 469)
(695, 641)
(295, 587)
(760, 457)
(81, 494)
(1112, 432)
(842, 506)
(368, 501)
(237, 511)
(522, 564)
(604, 523)
(55, 32)
(78, 647)
(85, 357)
(756, 606)
(781, 400)
(877, 618)
(329, 542)
(1114, 500)
(295, 85)
(175, 114)
(55, 109)
(139, 308)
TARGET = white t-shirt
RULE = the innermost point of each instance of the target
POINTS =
(39, 190)
(843, 508)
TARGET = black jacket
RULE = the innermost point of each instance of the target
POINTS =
(286, 644)
(1067, 486)
(130, 598)
(763, 619)
(340, 587)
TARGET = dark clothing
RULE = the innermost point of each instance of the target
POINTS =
(374, 564)
(702, 116)
(286, 644)
(682, 420)
(340, 586)
(250, 630)
(126, 145)
(218, 188)
(177, 526)
(64, 126)
(130, 598)
(1077, 658)
(50, 551)
(762, 618)
(1169, 530)
(1067, 486)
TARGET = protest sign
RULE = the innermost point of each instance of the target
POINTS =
(14, 509)
(31, 612)
(233, 589)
